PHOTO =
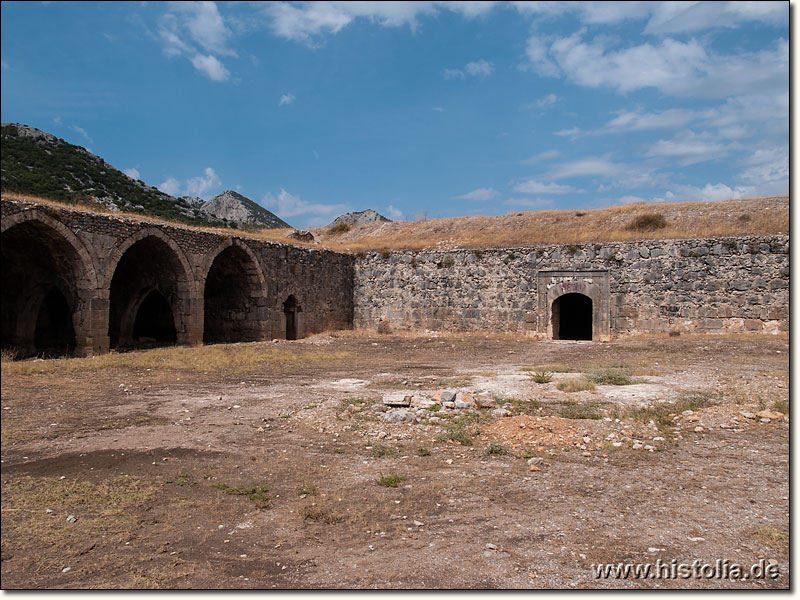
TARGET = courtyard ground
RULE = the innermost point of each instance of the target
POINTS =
(271, 465)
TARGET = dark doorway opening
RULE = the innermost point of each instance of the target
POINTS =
(290, 309)
(54, 334)
(232, 292)
(154, 324)
(148, 296)
(572, 317)
(42, 274)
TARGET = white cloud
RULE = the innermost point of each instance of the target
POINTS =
(532, 186)
(637, 121)
(663, 17)
(537, 51)
(170, 186)
(470, 8)
(541, 157)
(583, 167)
(205, 25)
(210, 66)
(691, 147)
(3, 64)
(395, 214)
(481, 194)
(82, 132)
(547, 101)
(197, 31)
(287, 205)
(198, 186)
(286, 99)
(673, 67)
(304, 21)
(708, 193)
(685, 17)
(479, 68)
(133, 173)
(573, 132)
(768, 170)
(439, 109)
(528, 202)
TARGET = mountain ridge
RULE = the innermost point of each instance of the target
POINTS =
(38, 163)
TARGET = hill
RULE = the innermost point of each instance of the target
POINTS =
(359, 218)
(36, 163)
(238, 210)
(747, 216)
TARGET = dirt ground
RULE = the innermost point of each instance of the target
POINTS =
(268, 477)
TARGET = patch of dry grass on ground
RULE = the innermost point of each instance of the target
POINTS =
(748, 216)
(230, 358)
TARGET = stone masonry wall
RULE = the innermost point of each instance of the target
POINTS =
(320, 280)
(705, 285)
(711, 285)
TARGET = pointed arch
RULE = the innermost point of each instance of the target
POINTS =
(150, 271)
(49, 282)
(234, 294)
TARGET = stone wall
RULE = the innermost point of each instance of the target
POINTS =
(79, 254)
(706, 285)
(89, 282)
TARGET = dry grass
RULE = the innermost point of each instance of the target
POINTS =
(752, 216)
(748, 216)
(774, 538)
(576, 385)
(273, 235)
(231, 358)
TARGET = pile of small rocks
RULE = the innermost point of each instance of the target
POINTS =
(401, 407)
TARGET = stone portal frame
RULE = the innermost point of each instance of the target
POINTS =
(551, 285)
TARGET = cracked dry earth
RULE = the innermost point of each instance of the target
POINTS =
(268, 477)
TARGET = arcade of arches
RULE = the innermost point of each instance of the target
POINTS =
(150, 296)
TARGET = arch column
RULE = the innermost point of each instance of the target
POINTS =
(551, 285)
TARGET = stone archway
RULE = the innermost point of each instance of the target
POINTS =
(585, 304)
(571, 317)
(48, 286)
(149, 296)
(234, 297)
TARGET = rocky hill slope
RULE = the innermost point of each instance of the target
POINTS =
(360, 218)
(39, 164)
(238, 210)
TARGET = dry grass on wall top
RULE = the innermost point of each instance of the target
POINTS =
(748, 216)
(752, 216)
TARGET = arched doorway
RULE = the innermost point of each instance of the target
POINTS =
(572, 317)
(148, 294)
(41, 292)
(232, 294)
(290, 310)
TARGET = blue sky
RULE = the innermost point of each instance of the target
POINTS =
(415, 109)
